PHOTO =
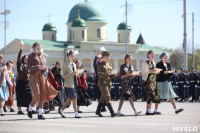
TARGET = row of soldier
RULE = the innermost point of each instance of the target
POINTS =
(186, 86)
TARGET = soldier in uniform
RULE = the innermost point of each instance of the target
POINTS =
(174, 82)
(89, 82)
(104, 71)
(136, 87)
(117, 87)
(182, 84)
(187, 85)
(193, 84)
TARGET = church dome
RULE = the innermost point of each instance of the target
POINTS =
(79, 23)
(89, 11)
(49, 27)
(122, 26)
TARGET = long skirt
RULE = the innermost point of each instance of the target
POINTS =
(43, 91)
(84, 98)
(11, 89)
(166, 90)
(4, 92)
(23, 93)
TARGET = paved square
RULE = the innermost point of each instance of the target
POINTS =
(89, 123)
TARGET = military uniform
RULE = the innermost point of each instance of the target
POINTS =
(182, 81)
(136, 87)
(174, 82)
(104, 83)
(193, 85)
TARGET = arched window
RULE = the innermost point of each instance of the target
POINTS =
(70, 34)
(119, 37)
(53, 37)
(98, 33)
(83, 34)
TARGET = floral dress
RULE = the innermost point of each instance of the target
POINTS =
(126, 87)
(150, 86)
(10, 102)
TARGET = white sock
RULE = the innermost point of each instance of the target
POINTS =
(135, 111)
(1, 111)
(78, 108)
(62, 112)
(156, 110)
(118, 112)
(76, 114)
(40, 111)
(30, 108)
(149, 110)
(177, 109)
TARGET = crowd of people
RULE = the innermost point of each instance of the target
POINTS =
(40, 89)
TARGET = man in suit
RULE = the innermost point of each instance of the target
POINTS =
(182, 79)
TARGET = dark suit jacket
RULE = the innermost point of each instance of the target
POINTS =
(161, 77)
(33, 63)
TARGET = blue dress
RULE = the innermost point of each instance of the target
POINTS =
(4, 92)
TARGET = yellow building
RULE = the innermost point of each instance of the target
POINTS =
(86, 32)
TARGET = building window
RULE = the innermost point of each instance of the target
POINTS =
(98, 33)
(70, 34)
(53, 37)
(119, 37)
(43, 36)
(83, 34)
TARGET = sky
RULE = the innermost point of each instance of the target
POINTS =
(159, 21)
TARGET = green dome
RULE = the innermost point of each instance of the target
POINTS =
(79, 23)
(122, 26)
(89, 11)
(49, 27)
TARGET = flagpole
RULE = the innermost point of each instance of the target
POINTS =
(126, 31)
(185, 35)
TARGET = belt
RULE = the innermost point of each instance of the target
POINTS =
(192, 81)
(135, 82)
(181, 82)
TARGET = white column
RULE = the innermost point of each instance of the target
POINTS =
(116, 64)
(138, 64)
(92, 69)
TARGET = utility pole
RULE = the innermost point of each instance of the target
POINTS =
(126, 29)
(5, 12)
(193, 39)
(185, 36)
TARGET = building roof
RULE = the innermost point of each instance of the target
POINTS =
(122, 26)
(89, 11)
(46, 44)
(49, 27)
(146, 48)
(79, 23)
(140, 40)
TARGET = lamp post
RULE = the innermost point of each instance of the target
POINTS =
(5, 12)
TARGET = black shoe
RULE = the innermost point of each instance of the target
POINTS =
(34, 112)
(103, 108)
(180, 110)
(77, 116)
(61, 114)
(98, 111)
(2, 114)
(110, 108)
(41, 117)
(147, 113)
(12, 110)
(157, 113)
(30, 115)
(20, 113)
(80, 111)
(46, 112)
(4, 109)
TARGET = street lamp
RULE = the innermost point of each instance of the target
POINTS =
(5, 12)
